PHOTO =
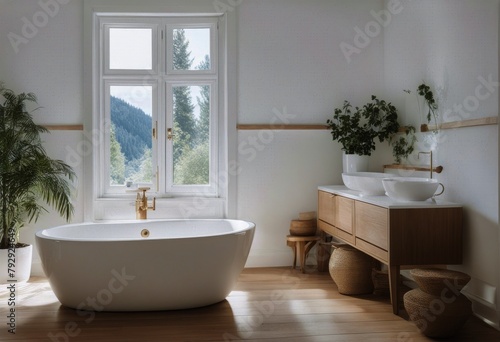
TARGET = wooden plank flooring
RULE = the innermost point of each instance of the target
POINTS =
(268, 304)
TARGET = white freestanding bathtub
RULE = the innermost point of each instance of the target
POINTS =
(144, 265)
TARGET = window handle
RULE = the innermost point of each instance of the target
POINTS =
(170, 135)
(155, 129)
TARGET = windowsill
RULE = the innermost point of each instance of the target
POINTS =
(166, 208)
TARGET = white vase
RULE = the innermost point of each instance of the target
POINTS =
(354, 163)
(21, 262)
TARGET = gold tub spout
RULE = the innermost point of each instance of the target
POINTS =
(141, 204)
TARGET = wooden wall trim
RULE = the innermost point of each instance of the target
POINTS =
(437, 169)
(276, 127)
(64, 127)
(244, 127)
(492, 120)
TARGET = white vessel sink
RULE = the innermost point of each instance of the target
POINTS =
(369, 183)
(411, 188)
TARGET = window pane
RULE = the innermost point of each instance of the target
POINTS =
(131, 139)
(130, 48)
(191, 50)
(191, 131)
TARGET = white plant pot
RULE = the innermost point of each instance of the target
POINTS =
(21, 262)
(354, 163)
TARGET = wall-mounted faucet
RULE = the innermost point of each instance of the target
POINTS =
(431, 168)
(141, 204)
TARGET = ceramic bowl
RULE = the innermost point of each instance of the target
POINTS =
(368, 183)
(411, 188)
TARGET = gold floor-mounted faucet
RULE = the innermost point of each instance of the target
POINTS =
(430, 152)
(141, 204)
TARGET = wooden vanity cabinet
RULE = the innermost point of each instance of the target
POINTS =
(396, 235)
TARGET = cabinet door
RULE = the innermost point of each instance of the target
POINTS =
(372, 224)
(344, 214)
(326, 207)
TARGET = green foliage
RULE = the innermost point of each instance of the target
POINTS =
(356, 130)
(425, 91)
(144, 169)
(181, 54)
(193, 168)
(184, 121)
(117, 160)
(28, 175)
(403, 146)
(203, 122)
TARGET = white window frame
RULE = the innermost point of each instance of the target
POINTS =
(161, 77)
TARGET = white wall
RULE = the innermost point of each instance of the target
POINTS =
(290, 65)
(452, 45)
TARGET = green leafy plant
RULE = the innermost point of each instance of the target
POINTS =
(357, 128)
(432, 107)
(403, 146)
(425, 91)
(28, 175)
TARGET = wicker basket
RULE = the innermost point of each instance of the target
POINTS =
(351, 270)
(435, 280)
(434, 316)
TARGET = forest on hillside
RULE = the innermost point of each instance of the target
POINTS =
(132, 128)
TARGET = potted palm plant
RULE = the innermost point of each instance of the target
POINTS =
(28, 179)
(356, 129)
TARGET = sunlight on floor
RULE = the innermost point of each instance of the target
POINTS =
(30, 294)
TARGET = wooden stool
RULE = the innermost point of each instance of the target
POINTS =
(301, 245)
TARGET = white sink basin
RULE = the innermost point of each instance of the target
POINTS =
(411, 188)
(369, 183)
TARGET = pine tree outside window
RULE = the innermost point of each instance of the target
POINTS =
(158, 101)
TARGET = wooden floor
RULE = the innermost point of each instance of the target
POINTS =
(268, 304)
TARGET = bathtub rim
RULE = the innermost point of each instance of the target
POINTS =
(41, 233)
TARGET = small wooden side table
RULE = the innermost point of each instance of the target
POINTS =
(301, 245)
